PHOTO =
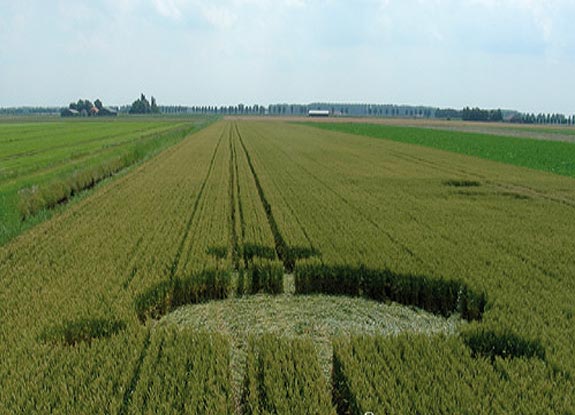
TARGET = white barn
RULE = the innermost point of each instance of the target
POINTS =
(318, 113)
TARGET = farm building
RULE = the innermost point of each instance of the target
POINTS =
(318, 113)
(68, 112)
(107, 112)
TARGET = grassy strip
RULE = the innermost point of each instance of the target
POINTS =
(46, 196)
(50, 148)
(551, 156)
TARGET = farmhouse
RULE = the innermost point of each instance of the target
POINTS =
(107, 112)
(318, 113)
(68, 112)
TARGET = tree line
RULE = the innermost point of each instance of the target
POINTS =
(478, 114)
(30, 111)
(543, 119)
(144, 106)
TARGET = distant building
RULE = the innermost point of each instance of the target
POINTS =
(67, 112)
(93, 112)
(107, 112)
(318, 113)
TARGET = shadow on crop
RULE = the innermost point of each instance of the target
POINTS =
(250, 251)
(85, 330)
(503, 343)
(461, 183)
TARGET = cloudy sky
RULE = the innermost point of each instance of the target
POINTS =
(516, 54)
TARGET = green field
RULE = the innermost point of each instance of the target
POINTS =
(465, 264)
(44, 163)
(551, 156)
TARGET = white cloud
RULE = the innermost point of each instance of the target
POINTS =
(169, 8)
(541, 11)
(123, 6)
(296, 3)
(219, 16)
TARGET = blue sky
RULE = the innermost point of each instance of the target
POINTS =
(517, 54)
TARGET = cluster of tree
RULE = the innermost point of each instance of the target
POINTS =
(478, 114)
(543, 119)
(84, 107)
(447, 113)
(143, 106)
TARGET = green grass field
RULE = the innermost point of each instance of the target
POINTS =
(43, 163)
(451, 277)
(551, 156)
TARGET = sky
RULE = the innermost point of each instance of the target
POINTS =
(511, 54)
